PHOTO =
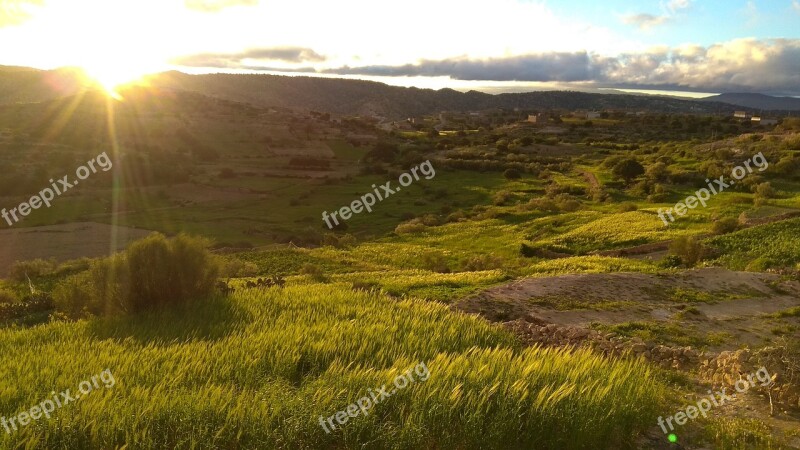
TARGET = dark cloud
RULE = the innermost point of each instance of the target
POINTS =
(216, 5)
(746, 65)
(540, 67)
(237, 60)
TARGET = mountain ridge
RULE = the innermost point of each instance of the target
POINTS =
(371, 98)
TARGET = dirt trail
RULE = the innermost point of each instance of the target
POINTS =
(721, 301)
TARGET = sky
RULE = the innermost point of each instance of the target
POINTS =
(687, 47)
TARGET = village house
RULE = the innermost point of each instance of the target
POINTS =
(537, 118)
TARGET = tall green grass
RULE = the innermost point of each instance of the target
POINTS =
(257, 371)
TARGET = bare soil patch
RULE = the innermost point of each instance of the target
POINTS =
(64, 242)
(703, 302)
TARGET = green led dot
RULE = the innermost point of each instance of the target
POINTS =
(672, 438)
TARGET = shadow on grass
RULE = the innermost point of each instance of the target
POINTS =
(207, 320)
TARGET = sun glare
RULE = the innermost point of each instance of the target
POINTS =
(111, 78)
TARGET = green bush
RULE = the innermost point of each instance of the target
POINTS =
(435, 262)
(152, 273)
(688, 249)
(412, 227)
(21, 270)
(725, 226)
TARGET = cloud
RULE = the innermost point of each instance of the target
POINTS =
(538, 67)
(16, 12)
(670, 10)
(796, 5)
(211, 6)
(644, 21)
(239, 60)
(677, 5)
(743, 65)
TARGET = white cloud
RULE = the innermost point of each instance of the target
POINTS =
(796, 5)
(670, 10)
(644, 21)
(676, 5)
(16, 12)
(217, 5)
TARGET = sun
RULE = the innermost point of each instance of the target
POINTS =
(113, 76)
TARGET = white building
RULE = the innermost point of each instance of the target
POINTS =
(537, 118)
(757, 120)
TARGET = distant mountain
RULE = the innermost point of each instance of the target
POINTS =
(349, 97)
(26, 85)
(759, 102)
(372, 98)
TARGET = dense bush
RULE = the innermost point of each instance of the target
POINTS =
(21, 270)
(435, 262)
(689, 249)
(152, 273)
(725, 226)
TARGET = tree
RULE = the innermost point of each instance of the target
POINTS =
(628, 169)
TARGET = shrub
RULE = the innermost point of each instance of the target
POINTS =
(512, 174)
(628, 207)
(567, 204)
(542, 204)
(765, 190)
(725, 226)
(412, 227)
(501, 198)
(627, 169)
(314, 271)
(688, 249)
(236, 268)
(478, 263)
(435, 262)
(343, 241)
(152, 273)
(34, 268)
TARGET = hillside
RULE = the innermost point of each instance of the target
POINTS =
(24, 85)
(515, 242)
(368, 97)
(758, 101)
(349, 97)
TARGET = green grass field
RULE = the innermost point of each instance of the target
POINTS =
(259, 370)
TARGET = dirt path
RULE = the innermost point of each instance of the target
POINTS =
(728, 303)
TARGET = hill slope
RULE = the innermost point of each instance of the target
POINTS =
(368, 97)
(352, 97)
(758, 101)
